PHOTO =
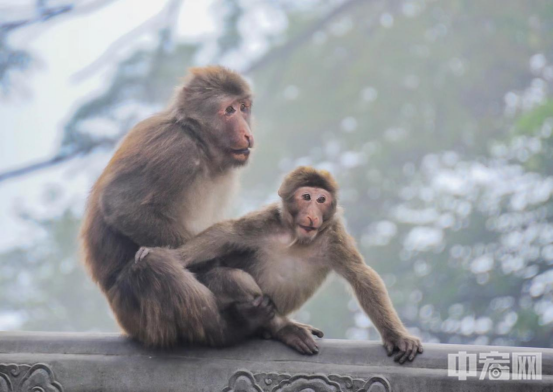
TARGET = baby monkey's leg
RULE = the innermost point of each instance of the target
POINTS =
(239, 298)
(242, 302)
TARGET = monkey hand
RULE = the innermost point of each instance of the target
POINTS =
(145, 252)
(407, 346)
(299, 337)
(141, 254)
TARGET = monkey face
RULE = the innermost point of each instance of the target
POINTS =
(236, 137)
(311, 208)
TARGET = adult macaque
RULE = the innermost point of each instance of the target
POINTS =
(171, 178)
(286, 250)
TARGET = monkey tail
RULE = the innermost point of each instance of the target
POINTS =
(158, 302)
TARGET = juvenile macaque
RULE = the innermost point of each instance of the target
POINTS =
(171, 178)
(285, 251)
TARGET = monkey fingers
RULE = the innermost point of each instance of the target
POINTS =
(416, 349)
(389, 348)
(414, 346)
(141, 254)
(407, 346)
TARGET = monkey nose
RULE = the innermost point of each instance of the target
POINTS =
(249, 138)
(315, 221)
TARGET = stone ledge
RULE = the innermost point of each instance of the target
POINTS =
(108, 362)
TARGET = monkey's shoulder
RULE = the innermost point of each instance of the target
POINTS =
(267, 218)
(155, 155)
(337, 238)
(336, 229)
(157, 139)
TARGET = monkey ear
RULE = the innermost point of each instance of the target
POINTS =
(285, 190)
(281, 191)
(184, 90)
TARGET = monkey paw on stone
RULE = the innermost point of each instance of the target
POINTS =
(299, 337)
(407, 347)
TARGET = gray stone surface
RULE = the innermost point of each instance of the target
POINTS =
(107, 362)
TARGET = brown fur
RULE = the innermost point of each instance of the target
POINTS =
(290, 271)
(148, 196)
(308, 176)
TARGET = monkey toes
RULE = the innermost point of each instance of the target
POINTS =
(299, 337)
(311, 329)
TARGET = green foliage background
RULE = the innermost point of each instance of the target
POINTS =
(436, 119)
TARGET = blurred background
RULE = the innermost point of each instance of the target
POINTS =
(435, 116)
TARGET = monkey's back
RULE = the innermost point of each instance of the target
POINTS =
(105, 250)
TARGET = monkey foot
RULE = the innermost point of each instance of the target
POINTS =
(299, 337)
(314, 331)
(141, 254)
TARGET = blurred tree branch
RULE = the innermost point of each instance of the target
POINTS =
(46, 13)
(43, 14)
(90, 6)
(297, 41)
(57, 159)
(168, 12)
(164, 19)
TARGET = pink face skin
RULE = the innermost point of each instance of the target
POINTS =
(312, 205)
(236, 118)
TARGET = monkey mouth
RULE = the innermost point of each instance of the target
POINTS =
(307, 229)
(243, 151)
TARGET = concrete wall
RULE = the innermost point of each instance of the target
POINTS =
(57, 362)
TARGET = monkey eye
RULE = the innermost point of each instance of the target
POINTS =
(306, 196)
(229, 110)
(321, 199)
(243, 107)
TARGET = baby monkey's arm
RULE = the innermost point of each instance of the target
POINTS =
(374, 299)
(222, 238)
